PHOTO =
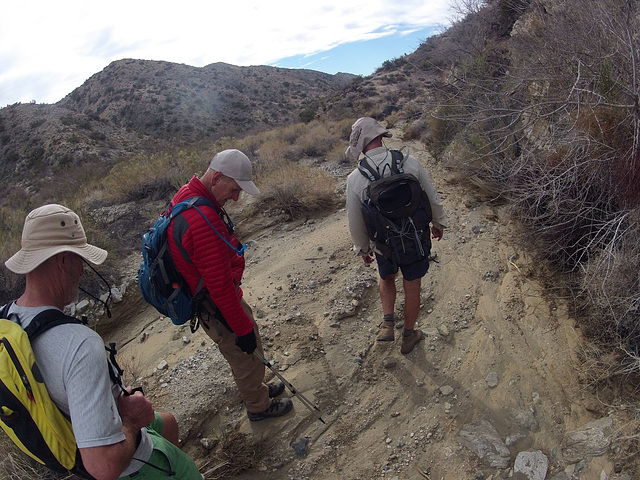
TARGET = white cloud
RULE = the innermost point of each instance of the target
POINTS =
(49, 48)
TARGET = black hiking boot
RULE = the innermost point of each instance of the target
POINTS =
(275, 389)
(279, 406)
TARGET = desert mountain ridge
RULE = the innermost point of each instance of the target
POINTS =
(135, 106)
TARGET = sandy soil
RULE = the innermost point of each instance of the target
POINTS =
(496, 349)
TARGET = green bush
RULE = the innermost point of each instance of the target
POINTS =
(307, 115)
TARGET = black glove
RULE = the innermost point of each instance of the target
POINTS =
(247, 343)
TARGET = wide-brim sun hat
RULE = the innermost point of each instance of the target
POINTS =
(47, 231)
(235, 164)
(363, 132)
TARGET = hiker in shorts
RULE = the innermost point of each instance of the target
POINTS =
(118, 435)
(201, 253)
(367, 139)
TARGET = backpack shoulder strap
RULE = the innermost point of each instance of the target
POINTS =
(48, 319)
(372, 175)
(194, 202)
(41, 322)
(180, 207)
(4, 311)
(396, 164)
(367, 170)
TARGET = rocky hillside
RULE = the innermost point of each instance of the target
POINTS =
(136, 106)
(495, 391)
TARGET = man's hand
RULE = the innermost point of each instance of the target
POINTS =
(368, 258)
(247, 343)
(436, 233)
(135, 409)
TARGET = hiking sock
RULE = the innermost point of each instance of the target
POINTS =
(388, 317)
(407, 333)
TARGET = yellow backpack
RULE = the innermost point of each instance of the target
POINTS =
(28, 415)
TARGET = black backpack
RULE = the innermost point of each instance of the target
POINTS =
(397, 212)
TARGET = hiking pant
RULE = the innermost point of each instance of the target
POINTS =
(248, 371)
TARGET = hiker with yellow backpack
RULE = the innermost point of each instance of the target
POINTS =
(94, 426)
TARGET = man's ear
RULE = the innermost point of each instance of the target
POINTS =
(64, 259)
(60, 260)
(216, 177)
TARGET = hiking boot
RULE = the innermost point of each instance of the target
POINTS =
(275, 389)
(410, 341)
(279, 406)
(386, 332)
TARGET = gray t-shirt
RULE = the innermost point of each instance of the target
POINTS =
(73, 363)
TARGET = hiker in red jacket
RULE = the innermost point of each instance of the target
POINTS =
(201, 253)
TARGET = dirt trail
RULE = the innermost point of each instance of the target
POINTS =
(496, 349)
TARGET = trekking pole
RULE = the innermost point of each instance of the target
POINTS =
(301, 397)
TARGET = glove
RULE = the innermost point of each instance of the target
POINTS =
(247, 343)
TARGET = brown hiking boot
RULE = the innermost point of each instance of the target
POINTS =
(386, 332)
(410, 341)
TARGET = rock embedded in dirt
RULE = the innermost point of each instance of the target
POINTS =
(446, 390)
(533, 465)
(591, 440)
(492, 380)
(484, 441)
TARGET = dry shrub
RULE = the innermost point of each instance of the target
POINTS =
(292, 133)
(567, 202)
(11, 223)
(473, 164)
(337, 156)
(234, 454)
(139, 173)
(153, 177)
(271, 155)
(317, 140)
(611, 284)
(298, 190)
(444, 125)
(416, 130)
(16, 465)
(342, 129)
(626, 442)
(393, 119)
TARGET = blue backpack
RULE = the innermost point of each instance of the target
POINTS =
(161, 284)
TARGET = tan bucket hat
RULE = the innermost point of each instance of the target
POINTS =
(49, 230)
(235, 164)
(363, 131)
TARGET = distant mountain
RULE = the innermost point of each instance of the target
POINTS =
(135, 106)
(188, 103)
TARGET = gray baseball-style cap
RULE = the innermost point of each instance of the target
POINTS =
(235, 164)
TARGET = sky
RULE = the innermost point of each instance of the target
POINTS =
(49, 48)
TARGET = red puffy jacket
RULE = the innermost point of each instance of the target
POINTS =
(211, 258)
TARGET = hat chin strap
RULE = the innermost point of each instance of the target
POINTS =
(104, 302)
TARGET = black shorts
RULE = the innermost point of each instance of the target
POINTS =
(410, 272)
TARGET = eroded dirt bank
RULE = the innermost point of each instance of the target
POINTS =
(497, 350)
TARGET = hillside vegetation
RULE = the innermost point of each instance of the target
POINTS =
(532, 104)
